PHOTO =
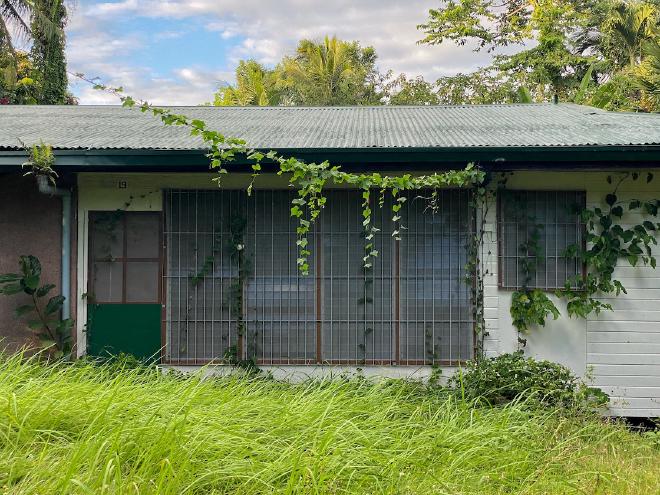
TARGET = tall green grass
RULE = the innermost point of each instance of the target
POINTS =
(86, 429)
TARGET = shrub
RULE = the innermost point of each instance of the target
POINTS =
(513, 376)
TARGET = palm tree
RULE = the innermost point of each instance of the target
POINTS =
(42, 22)
(630, 25)
(254, 86)
(15, 14)
(648, 76)
(320, 72)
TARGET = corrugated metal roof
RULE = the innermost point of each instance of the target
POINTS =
(113, 127)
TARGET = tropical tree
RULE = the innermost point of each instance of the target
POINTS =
(626, 30)
(16, 83)
(48, 45)
(14, 14)
(648, 76)
(586, 50)
(42, 22)
(255, 85)
(332, 72)
(410, 91)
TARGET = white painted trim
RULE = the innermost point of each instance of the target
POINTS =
(300, 373)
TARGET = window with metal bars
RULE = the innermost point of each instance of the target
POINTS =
(411, 307)
(535, 228)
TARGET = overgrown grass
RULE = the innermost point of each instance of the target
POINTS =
(90, 430)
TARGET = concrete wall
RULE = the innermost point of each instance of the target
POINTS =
(30, 223)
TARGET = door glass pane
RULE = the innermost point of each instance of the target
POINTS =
(142, 281)
(107, 282)
(107, 234)
(142, 235)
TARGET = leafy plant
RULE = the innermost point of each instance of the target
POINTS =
(608, 242)
(530, 307)
(40, 161)
(54, 334)
(510, 377)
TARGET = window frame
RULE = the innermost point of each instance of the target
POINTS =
(124, 259)
(316, 241)
(582, 270)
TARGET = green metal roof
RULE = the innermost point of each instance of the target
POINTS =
(333, 128)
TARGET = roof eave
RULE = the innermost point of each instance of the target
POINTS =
(495, 158)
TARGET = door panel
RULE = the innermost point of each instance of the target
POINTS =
(124, 284)
(124, 328)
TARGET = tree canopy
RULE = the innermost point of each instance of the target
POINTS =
(330, 72)
(38, 76)
(590, 51)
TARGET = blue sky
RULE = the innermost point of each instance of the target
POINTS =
(179, 51)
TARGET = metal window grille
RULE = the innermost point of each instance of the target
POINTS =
(554, 215)
(411, 307)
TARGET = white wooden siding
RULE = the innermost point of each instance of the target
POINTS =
(619, 350)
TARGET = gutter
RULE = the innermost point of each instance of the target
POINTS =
(46, 188)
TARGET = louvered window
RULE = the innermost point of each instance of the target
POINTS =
(411, 307)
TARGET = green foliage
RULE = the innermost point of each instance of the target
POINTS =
(485, 86)
(17, 85)
(255, 85)
(39, 77)
(330, 72)
(410, 91)
(608, 242)
(48, 45)
(531, 307)
(599, 42)
(84, 428)
(40, 161)
(54, 334)
(512, 377)
(490, 24)
(648, 75)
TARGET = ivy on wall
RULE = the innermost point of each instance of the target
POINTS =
(609, 239)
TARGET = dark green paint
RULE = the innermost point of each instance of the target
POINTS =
(359, 159)
(124, 328)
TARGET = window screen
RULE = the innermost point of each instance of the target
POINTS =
(124, 257)
(411, 307)
(553, 218)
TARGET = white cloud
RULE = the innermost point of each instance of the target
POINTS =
(266, 30)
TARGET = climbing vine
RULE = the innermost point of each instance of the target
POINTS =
(608, 240)
(308, 178)
(530, 306)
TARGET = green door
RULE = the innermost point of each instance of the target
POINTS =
(124, 284)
